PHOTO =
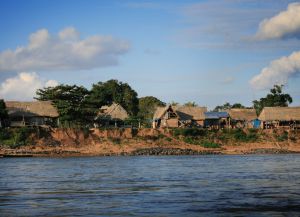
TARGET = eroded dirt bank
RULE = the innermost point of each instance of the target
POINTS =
(95, 142)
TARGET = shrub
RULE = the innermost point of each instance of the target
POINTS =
(115, 140)
(282, 137)
(205, 144)
(194, 132)
(210, 145)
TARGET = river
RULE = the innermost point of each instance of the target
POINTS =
(219, 185)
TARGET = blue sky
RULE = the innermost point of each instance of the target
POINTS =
(203, 51)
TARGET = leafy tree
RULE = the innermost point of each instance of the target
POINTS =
(191, 104)
(3, 112)
(105, 93)
(276, 98)
(237, 105)
(227, 106)
(70, 101)
(173, 103)
(147, 106)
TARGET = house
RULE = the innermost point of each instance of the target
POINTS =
(242, 117)
(277, 117)
(179, 116)
(35, 113)
(216, 120)
(113, 113)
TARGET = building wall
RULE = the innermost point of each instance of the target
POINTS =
(171, 122)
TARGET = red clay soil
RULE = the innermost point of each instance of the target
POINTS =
(72, 142)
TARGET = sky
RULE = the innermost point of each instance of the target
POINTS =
(209, 52)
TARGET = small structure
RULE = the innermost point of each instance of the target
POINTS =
(35, 113)
(179, 116)
(113, 113)
(216, 120)
(280, 117)
(241, 118)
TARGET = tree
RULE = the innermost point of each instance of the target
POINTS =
(147, 106)
(276, 98)
(190, 104)
(3, 112)
(227, 106)
(70, 101)
(173, 103)
(114, 91)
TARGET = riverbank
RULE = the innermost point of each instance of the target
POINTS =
(113, 142)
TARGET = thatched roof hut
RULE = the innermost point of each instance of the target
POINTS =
(280, 114)
(183, 112)
(115, 111)
(31, 109)
(190, 112)
(242, 114)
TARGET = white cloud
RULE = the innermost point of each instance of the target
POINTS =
(64, 51)
(23, 86)
(285, 24)
(278, 72)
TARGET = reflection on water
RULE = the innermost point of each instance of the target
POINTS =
(261, 185)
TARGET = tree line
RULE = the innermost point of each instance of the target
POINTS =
(78, 105)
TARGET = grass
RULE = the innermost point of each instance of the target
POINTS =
(205, 144)
(189, 132)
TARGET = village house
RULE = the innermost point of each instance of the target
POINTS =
(179, 116)
(242, 118)
(37, 113)
(216, 120)
(280, 117)
(111, 114)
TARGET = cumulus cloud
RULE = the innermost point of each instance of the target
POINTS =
(286, 24)
(23, 86)
(278, 72)
(64, 51)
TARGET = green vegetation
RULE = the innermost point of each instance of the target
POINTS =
(282, 137)
(189, 132)
(191, 104)
(71, 103)
(276, 97)
(207, 138)
(105, 93)
(77, 106)
(147, 106)
(227, 106)
(17, 137)
(205, 143)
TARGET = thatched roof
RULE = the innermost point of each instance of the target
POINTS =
(114, 111)
(190, 112)
(30, 109)
(160, 111)
(280, 114)
(183, 112)
(242, 114)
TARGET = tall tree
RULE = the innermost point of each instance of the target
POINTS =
(3, 112)
(147, 106)
(191, 104)
(227, 106)
(276, 98)
(104, 93)
(70, 101)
